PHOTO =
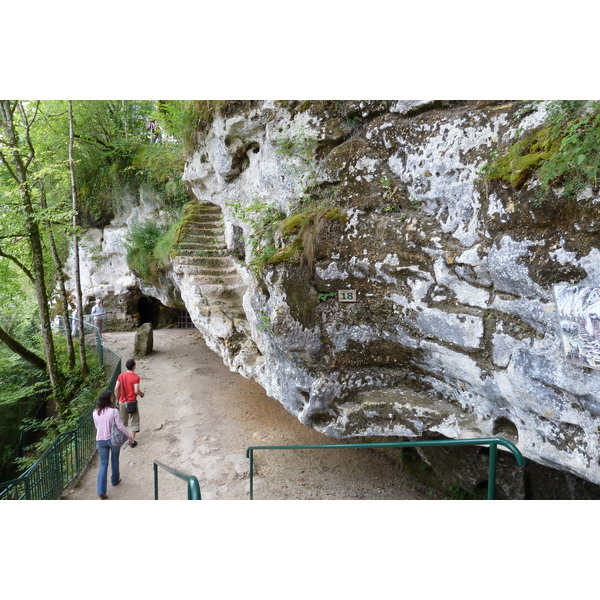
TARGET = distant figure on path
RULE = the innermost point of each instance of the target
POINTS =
(99, 315)
(127, 390)
(75, 321)
(104, 415)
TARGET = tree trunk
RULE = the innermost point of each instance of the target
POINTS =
(19, 173)
(62, 296)
(23, 352)
(78, 298)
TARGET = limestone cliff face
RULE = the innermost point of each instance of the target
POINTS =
(103, 265)
(453, 330)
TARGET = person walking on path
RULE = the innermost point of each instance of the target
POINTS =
(104, 415)
(99, 315)
(127, 390)
(75, 321)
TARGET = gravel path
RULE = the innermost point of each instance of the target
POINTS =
(199, 417)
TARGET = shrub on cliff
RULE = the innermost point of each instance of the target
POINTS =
(148, 246)
(564, 152)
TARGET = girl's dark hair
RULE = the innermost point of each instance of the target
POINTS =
(104, 401)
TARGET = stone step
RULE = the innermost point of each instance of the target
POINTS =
(202, 252)
(201, 247)
(209, 273)
(220, 264)
(215, 275)
(226, 274)
(223, 291)
(207, 241)
(203, 219)
(203, 280)
(205, 213)
(194, 219)
(202, 234)
(213, 262)
(203, 229)
(202, 206)
(233, 310)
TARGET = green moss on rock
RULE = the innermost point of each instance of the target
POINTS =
(523, 157)
(285, 254)
(293, 224)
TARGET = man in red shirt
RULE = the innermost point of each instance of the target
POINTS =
(127, 390)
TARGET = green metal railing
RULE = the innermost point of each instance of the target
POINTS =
(69, 454)
(493, 443)
(192, 481)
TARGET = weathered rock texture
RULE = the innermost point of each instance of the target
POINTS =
(144, 340)
(453, 332)
(105, 273)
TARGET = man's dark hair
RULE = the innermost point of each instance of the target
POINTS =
(130, 364)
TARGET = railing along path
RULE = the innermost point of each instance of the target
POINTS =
(493, 444)
(70, 453)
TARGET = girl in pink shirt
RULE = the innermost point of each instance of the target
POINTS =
(104, 415)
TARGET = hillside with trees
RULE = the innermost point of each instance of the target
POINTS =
(63, 165)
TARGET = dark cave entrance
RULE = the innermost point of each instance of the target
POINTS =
(153, 311)
(149, 310)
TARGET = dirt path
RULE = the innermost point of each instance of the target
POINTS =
(199, 417)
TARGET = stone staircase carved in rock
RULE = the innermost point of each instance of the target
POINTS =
(211, 284)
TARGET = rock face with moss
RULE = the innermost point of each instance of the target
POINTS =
(419, 211)
(386, 269)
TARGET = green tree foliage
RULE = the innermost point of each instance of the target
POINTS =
(108, 135)
(23, 393)
(17, 154)
(183, 118)
(113, 152)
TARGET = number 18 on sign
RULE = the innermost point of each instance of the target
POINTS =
(346, 295)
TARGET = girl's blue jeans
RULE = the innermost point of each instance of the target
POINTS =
(105, 449)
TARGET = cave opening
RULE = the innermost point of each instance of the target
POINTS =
(153, 311)
(149, 310)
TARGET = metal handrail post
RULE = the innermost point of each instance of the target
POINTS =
(57, 471)
(192, 481)
(251, 457)
(193, 488)
(155, 481)
(492, 471)
(76, 439)
(99, 346)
